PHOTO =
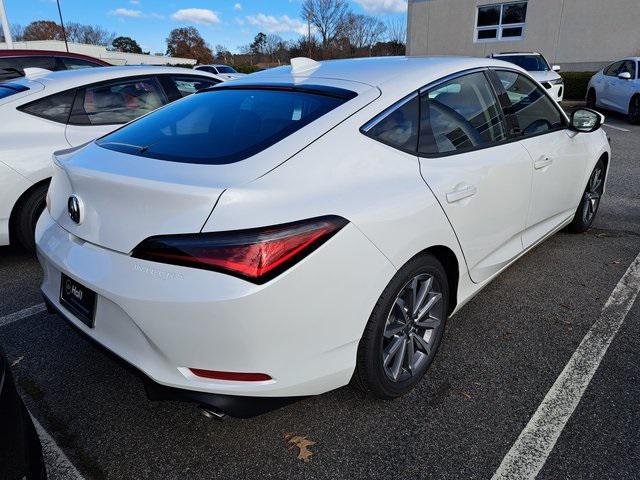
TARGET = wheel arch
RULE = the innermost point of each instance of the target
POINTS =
(20, 202)
(449, 261)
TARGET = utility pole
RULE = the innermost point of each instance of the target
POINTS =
(5, 25)
(64, 32)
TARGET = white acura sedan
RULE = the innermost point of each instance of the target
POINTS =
(50, 111)
(283, 234)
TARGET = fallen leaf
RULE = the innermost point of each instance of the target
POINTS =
(17, 361)
(303, 444)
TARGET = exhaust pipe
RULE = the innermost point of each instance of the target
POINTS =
(210, 412)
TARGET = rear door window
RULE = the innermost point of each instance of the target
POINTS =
(48, 63)
(221, 126)
(460, 114)
(117, 102)
(77, 63)
(54, 107)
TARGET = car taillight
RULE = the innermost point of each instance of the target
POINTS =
(257, 254)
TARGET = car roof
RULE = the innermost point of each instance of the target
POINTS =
(49, 53)
(393, 74)
(65, 79)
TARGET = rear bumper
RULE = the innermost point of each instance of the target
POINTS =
(233, 405)
(301, 328)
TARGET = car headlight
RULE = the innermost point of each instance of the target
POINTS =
(557, 81)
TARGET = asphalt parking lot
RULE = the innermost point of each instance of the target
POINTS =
(500, 356)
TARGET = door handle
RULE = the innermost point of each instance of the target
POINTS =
(542, 162)
(461, 192)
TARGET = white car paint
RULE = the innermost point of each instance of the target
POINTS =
(302, 327)
(615, 93)
(548, 76)
(28, 141)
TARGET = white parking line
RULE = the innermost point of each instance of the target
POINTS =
(532, 448)
(58, 464)
(24, 313)
(617, 128)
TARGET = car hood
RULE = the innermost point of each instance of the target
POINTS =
(545, 76)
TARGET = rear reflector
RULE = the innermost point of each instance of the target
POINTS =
(257, 254)
(235, 376)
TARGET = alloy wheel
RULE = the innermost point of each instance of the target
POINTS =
(592, 195)
(412, 327)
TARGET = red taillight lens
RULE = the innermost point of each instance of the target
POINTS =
(235, 376)
(257, 254)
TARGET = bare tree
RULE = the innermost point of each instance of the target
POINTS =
(89, 34)
(364, 31)
(328, 17)
(223, 54)
(272, 45)
(397, 30)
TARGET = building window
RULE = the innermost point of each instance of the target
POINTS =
(504, 22)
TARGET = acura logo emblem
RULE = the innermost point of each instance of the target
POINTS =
(75, 209)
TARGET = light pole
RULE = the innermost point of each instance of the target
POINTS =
(64, 32)
(5, 25)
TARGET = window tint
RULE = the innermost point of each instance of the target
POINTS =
(628, 66)
(225, 69)
(8, 89)
(77, 63)
(220, 126)
(188, 85)
(533, 111)
(531, 63)
(118, 102)
(208, 69)
(54, 107)
(612, 70)
(460, 114)
(48, 63)
(488, 16)
(400, 127)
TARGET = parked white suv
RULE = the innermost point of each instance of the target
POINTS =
(537, 66)
(224, 71)
(617, 87)
(57, 110)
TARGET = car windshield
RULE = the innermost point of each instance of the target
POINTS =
(531, 63)
(222, 125)
(225, 69)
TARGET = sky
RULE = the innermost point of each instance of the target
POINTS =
(228, 22)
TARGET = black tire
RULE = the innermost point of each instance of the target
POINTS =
(634, 110)
(591, 98)
(371, 374)
(590, 201)
(27, 215)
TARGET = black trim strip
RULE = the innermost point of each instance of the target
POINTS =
(324, 90)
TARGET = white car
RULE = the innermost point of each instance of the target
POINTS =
(537, 66)
(323, 232)
(50, 111)
(617, 87)
(224, 71)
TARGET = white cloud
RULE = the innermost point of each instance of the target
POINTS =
(280, 24)
(126, 12)
(134, 2)
(201, 16)
(237, 6)
(383, 6)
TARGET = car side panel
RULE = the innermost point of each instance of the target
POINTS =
(12, 185)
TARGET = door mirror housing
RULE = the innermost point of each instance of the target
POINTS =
(556, 68)
(624, 76)
(586, 120)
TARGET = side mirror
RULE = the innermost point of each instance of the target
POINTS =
(586, 120)
(556, 68)
(624, 76)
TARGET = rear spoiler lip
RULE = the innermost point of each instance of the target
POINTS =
(60, 155)
(325, 90)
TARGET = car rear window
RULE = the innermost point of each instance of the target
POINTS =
(8, 89)
(531, 63)
(223, 125)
